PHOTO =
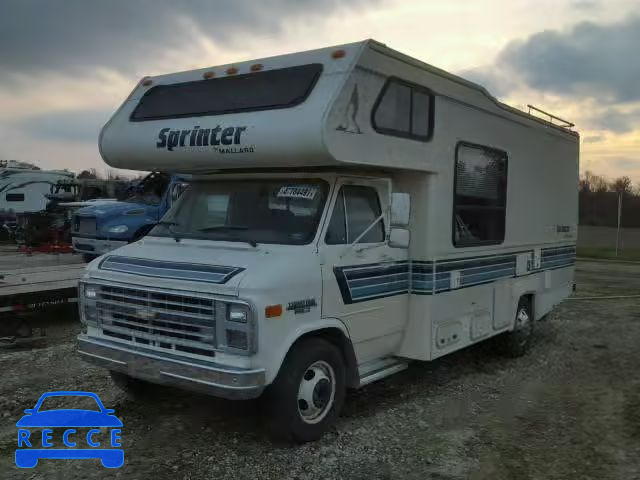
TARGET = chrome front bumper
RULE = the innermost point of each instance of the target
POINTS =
(96, 246)
(207, 377)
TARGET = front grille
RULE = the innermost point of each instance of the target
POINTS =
(179, 323)
(85, 225)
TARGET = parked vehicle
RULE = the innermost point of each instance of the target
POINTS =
(352, 209)
(24, 187)
(106, 225)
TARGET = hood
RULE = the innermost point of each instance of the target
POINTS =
(202, 265)
(192, 265)
(106, 210)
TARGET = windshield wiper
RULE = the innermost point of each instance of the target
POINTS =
(213, 228)
(169, 224)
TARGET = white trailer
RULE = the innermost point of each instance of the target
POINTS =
(24, 189)
(352, 210)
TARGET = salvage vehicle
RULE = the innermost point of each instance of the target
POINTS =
(351, 210)
(106, 225)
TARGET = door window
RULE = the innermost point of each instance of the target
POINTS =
(355, 210)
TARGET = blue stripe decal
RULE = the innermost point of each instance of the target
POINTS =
(174, 270)
(359, 283)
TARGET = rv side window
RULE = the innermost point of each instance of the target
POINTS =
(404, 110)
(480, 196)
(15, 197)
(355, 210)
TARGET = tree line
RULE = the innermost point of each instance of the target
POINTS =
(599, 197)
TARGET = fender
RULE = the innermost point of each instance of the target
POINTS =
(295, 335)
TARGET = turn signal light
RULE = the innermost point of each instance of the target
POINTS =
(338, 54)
(273, 311)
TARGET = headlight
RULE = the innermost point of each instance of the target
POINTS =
(87, 304)
(118, 229)
(237, 334)
(238, 313)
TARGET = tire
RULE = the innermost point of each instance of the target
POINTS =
(133, 386)
(307, 395)
(518, 341)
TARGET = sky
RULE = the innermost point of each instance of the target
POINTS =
(66, 65)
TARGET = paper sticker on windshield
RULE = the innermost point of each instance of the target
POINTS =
(308, 192)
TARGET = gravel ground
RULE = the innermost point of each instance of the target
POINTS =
(568, 410)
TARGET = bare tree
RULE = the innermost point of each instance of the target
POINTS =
(621, 185)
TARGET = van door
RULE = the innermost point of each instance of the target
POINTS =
(365, 285)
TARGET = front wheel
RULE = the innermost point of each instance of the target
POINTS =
(307, 395)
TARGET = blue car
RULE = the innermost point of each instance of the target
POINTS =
(67, 419)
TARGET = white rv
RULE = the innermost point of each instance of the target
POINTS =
(352, 210)
(24, 188)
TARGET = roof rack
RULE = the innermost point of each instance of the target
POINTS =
(564, 123)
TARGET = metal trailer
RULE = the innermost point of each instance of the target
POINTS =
(32, 283)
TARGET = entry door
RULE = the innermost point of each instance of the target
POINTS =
(365, 285)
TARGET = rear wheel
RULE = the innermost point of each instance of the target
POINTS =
(307, 395)
(518, 341)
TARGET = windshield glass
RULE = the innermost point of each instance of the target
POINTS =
(284, 211)
(150, 189)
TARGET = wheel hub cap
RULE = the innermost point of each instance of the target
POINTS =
(316, 392)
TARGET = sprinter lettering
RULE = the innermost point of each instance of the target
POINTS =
(199, 137)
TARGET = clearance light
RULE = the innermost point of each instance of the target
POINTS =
(208, 75)
(273, 311)
(256, 67)
(232, 71)
(338, 54)
(146, 81)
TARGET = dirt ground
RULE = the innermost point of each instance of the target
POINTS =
(570, 409)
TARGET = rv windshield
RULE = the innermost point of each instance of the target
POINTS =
(284, 211)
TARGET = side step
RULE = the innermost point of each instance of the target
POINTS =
(380, 368)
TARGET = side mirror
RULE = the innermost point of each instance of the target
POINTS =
(399, 238)
(400, 209)
(177, 190)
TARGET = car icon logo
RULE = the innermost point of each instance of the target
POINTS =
(88, 433)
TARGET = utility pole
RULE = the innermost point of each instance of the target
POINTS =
(619, 217)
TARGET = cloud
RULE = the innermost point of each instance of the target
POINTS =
(586, 4)
(79, 35)
(615, 120)
(69, 126)
(599, 61)
(593, 139)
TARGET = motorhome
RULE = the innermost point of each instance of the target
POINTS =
(24, 187)
(352, 210)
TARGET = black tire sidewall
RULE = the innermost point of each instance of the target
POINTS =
(284, 418)
(512, 343)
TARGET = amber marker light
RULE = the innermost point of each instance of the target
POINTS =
(338, 54)
(256, 67)
(273, 311)
(208, 75)
(232, 71)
